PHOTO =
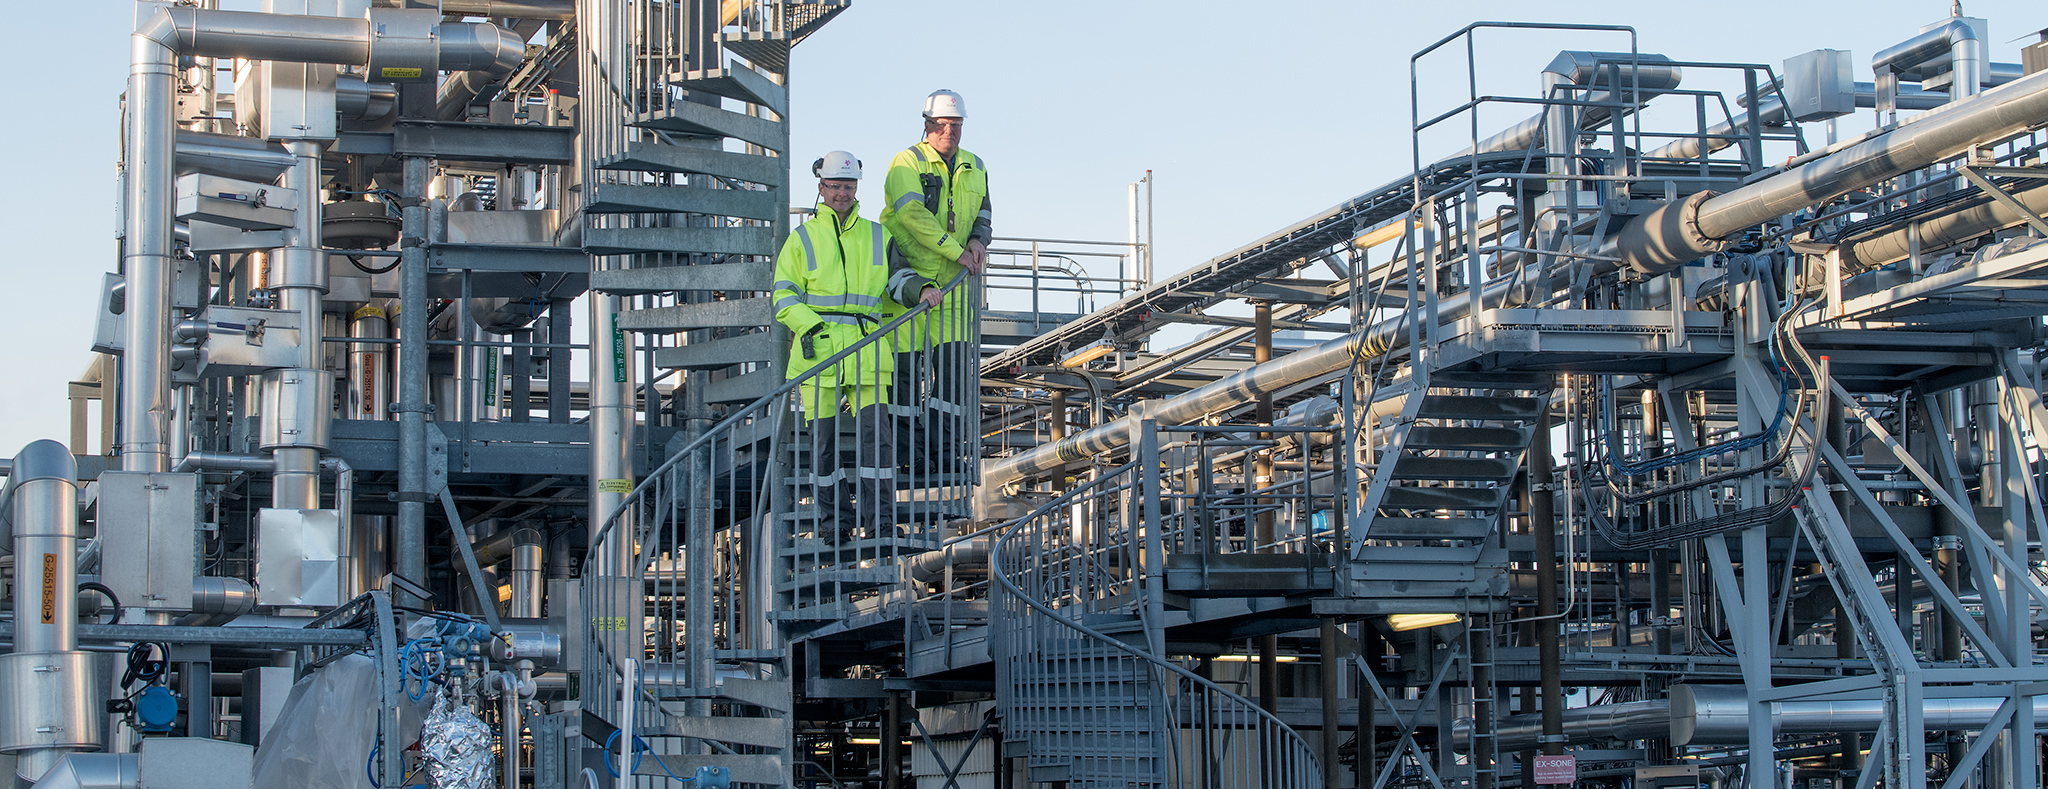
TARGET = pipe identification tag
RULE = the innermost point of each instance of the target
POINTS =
(394, 72)
(615, 486)
(49, 588)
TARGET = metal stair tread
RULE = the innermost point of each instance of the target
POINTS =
(688, 117)
(744, 388)
(865, 577)
(1404, 497)
(764, 693)
(725, 314)
(1480, 407)
(754, 241)
(1398, 528)
(756, 732)
(659, 158)
(718, 354)
(735, 82)
(750, 276)
(1477, 439)
(756, 204)
(1466, 469)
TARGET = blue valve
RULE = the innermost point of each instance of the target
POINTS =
(156, 709)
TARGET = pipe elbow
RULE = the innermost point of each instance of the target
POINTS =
(480, 46)
(44, 459)
(169, 28)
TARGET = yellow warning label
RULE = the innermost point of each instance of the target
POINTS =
(615, 486)
(49, 588)
(392, 72)
(368, 312)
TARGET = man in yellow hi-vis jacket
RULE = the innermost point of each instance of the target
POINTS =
(939, 211)
(833, 287)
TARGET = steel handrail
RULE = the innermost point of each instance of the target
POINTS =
(1009, 585)
(725, 425)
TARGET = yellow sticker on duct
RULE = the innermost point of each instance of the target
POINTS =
(615, 486)
(393, 72)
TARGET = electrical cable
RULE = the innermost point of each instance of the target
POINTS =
(357, 261)
(113, 600)
(639, 747)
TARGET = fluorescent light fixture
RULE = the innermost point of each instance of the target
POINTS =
(1382, 234)
(1254, 658)
(1401, 622)
(1088, 353)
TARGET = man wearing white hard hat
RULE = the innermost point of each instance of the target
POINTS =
(833, 287)
(938, 209)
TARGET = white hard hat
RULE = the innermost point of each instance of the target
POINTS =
(944, 104)
(837, 164)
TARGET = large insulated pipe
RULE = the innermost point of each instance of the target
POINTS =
(47, 707)
(526, 574)
(296, 400)
(246, 158)
(1635, 720)
(1940, 228)
(95, 771)
(1719, 715)
(1702, 224)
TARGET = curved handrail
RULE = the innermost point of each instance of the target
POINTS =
(640, 489)
(1009, 585)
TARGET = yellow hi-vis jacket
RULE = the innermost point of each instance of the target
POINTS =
(933, 211)
(833, 284)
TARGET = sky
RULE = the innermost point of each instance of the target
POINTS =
(1251, 116)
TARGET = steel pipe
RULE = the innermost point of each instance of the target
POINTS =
(94, 771)
(1719, 715)
(1944, 227)
(1688, 230)
(1635, 720)
(228, 155)
(45, 548)
(526, 574)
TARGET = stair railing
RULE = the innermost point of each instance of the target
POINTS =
(719, 490)
(1080, 579)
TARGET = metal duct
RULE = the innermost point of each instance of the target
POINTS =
(1635, 720)
(95, 771)
(1719, 715)
(1941, 228)
(932, 564)
(1679, 232)
(246, 158)
(1955, 39)
(358, 100)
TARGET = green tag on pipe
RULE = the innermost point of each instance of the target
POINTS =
(618, 350)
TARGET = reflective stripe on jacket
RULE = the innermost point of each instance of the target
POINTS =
(933, 211)
(833, 278)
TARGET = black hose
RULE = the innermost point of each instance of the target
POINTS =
(114, 600)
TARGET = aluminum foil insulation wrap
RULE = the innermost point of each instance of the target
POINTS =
(458, 747)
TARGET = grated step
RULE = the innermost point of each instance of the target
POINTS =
(1502, 409)
(1476, 439)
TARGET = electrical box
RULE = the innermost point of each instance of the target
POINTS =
(148, 534)
(264, 690)
(1820, 85)
(298, 557)
(247, 340)
(245, 205)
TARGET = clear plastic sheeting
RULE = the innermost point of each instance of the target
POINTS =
(325, 732)
(458, 747)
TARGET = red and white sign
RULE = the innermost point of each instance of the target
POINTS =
(1556, 770)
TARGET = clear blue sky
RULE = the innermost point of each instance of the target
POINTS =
(1252, 115)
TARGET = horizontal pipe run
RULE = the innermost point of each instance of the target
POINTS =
(216, 636)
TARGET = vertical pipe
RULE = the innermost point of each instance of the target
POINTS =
(1369, 645)
(45, 545)
(369, 366)
(413, 372)
(296, 483)
(892, 743)
(508, 731)
(1332, 662)
(1263, 536)
(1543, 522)
(1484, 714)
(1146, 272)
(146, 259)
(526, 574)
